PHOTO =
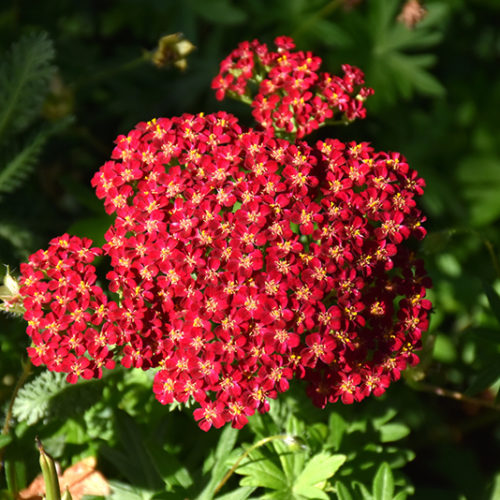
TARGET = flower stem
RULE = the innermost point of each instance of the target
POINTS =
(8, 417)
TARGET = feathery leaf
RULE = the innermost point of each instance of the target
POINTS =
(24, 79)
(21, 164)
(49, 395)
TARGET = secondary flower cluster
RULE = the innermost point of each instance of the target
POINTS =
(286, 90)
(66, 311)
(239, 261)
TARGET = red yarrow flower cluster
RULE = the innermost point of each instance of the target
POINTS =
(65, 310)
(287, 91)
(241, 260)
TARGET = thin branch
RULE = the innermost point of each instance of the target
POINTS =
(8, 417)
(457, 396)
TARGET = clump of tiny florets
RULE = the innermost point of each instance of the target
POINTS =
(240, 260)
(288, 93)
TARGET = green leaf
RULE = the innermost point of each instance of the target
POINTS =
(494, 488)
(238, 494)
(444, 349)
(50, 395)
(393, 431)
(493, 299)
(365, 494)
(24, 78)
(410, 73)
(485, 378)
(342, 491)
(32, 401)
(308, 491)
(140, 464)
(18, 237)
(122, 491)
(16, 169)
(219, 11)
(5, 439)
(402, 495)
(479, 177)
(337, 426)
(261, 471)
(331, 34)
(319, 468)
(15, 475)
(383, 483)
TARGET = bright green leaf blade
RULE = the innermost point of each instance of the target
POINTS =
(337, 427)
(260, 471)
(308, 491)
(383, 483)
(365, 494)
(238, 494)
(393, 431)
(342, 491)
(319, 468)
(402, 495)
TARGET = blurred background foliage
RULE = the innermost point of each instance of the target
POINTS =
(437, 96)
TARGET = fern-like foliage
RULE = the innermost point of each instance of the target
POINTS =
(15, 170)
(50, 396)
(24, 78)
(21, 239)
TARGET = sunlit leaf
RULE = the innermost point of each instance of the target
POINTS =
(383, 483)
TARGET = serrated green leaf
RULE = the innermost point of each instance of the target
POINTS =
(24, 78)
(50, 395)
(393, 431)
(32, 401)
(122, 491)
(383, 483)
(291, 455)
(260, 471)
(308, 491)
(17, 168)
(410, 73)
(238, 494)
(320, 467)
(331, 34)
